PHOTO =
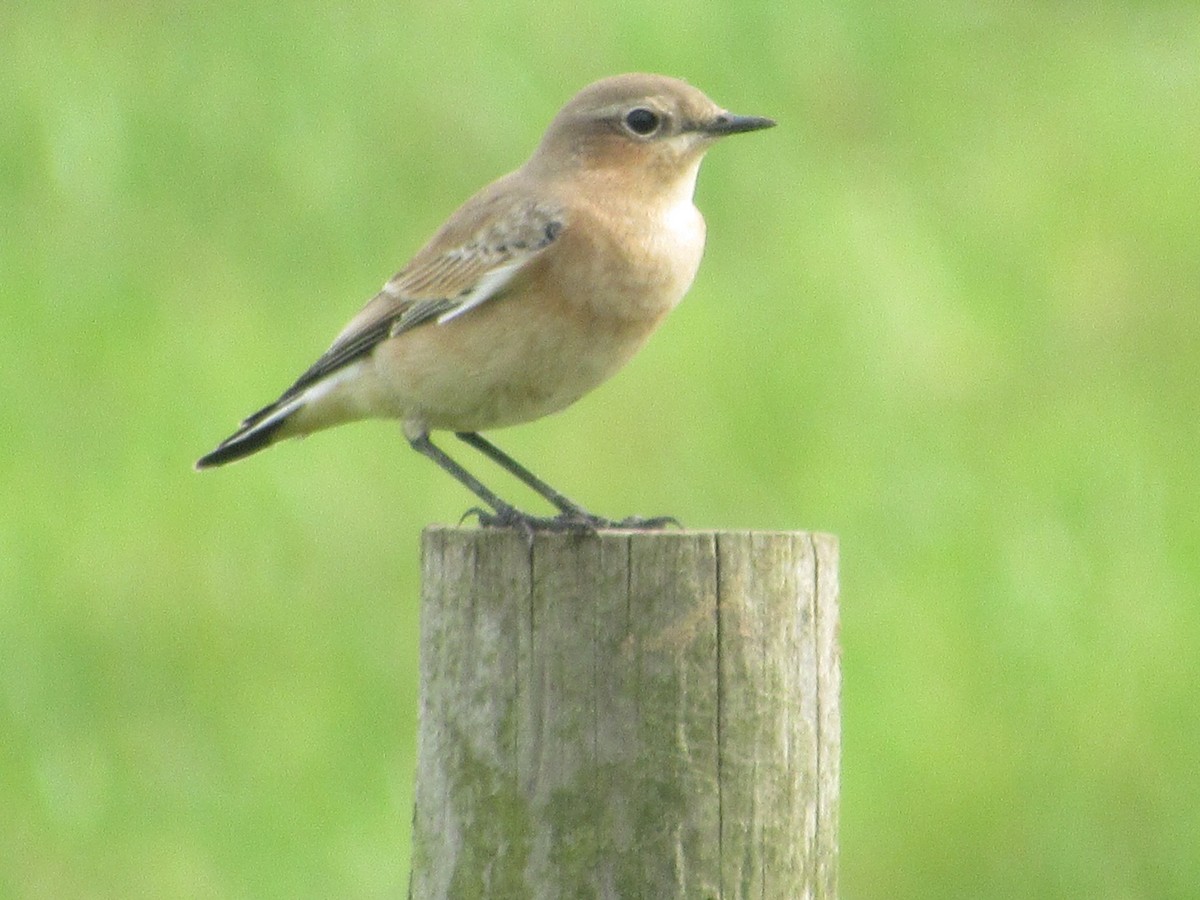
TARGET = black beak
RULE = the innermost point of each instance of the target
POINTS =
(728, 123)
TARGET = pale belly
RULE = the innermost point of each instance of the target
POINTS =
(505, 364)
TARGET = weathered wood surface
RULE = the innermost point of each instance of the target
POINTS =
(628, 715)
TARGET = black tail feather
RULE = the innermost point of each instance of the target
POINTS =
(249, 439)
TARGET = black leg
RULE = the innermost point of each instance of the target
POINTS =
(572, 514)
(425, 447)
(503, 515)
(514, 468)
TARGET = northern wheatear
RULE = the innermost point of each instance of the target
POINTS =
(536, 290)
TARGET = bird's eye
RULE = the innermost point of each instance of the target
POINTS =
(642, 121)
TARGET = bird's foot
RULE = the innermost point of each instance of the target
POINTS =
(575, 521)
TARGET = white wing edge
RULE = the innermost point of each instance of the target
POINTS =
(485, 288)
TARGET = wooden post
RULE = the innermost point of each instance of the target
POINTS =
(627, 715)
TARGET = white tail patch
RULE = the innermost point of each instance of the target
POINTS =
(314, 401)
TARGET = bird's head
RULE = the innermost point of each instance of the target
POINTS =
(651, 125)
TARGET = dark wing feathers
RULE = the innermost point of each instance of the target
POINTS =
(467, 263)
(436, 283)
(356, 345)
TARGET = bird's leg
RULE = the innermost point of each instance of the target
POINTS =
(571, 511)
(503, 514)
(514, 468)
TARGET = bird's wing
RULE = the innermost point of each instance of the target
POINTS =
(470, 261)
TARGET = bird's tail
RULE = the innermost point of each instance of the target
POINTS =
(256, 432)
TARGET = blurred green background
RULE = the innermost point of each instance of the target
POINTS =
(950, 311)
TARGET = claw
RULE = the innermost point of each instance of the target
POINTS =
(478, 511)
(656, 523)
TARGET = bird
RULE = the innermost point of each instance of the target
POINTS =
(536, 290)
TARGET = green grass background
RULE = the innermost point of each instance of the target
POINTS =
(950, 311)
